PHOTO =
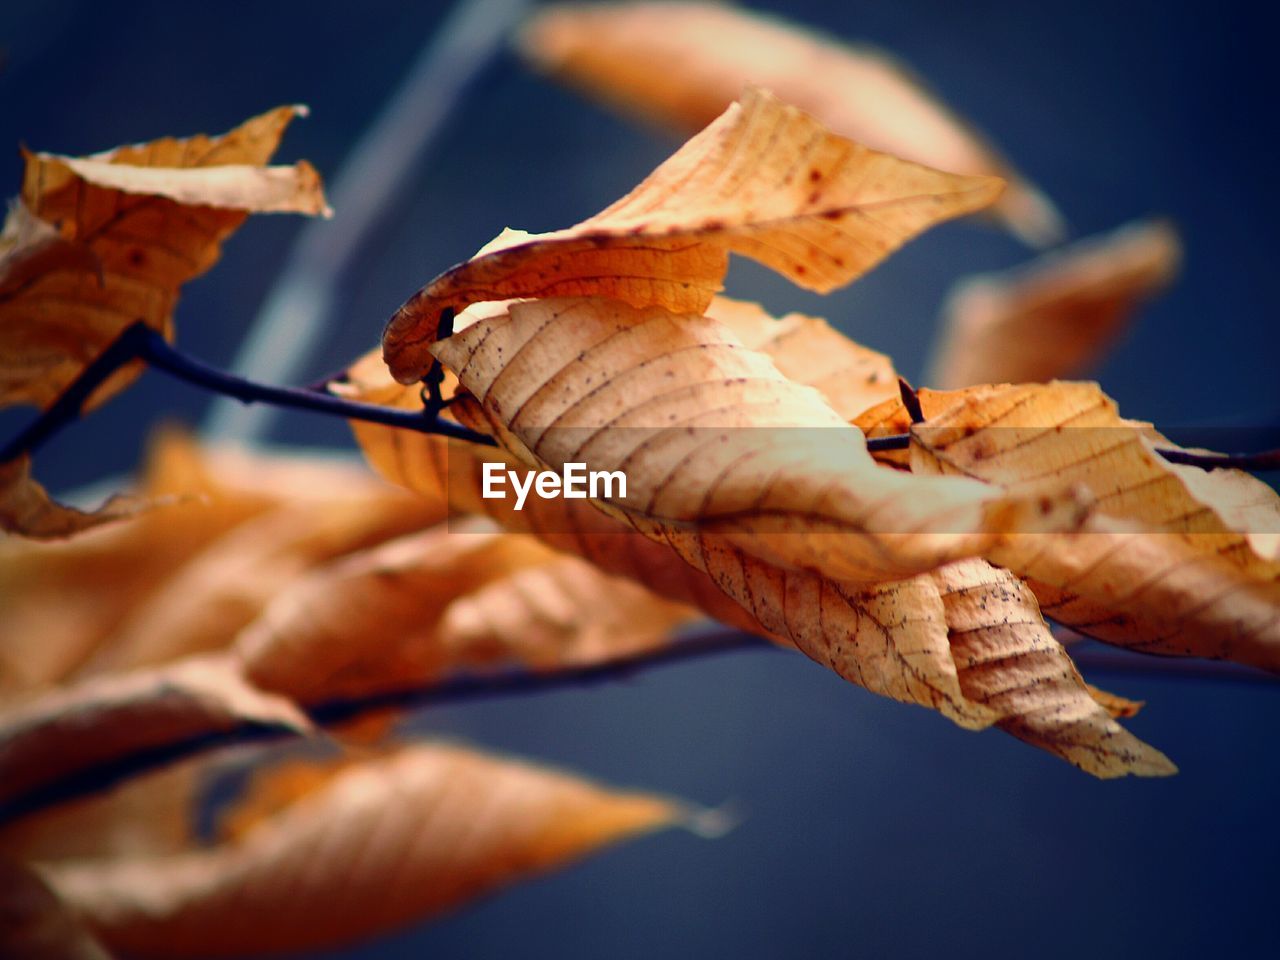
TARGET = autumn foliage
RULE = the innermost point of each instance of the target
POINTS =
(238, 595)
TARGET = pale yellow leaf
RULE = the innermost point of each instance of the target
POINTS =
(1056, 316)
(764, 180)
(1008, 659)
(365, 851)
(682, 63)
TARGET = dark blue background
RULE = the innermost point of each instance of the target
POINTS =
(871, 828)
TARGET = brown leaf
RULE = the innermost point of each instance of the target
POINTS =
(764, 180)
(63, 600)
(43, 739)
(1178, 560)
(894, 639)
(459, 596)
(35, 924)
(1008, 659)
(713, 441)
(27, 509)
(708, 52)
(148, 218)
(223, 588)
(1056, 316)
(373, 847)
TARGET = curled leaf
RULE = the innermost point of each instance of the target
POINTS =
(682, 63)
(142, 220)
(27, 509)
(764, 180)
(1054, 317)
(361, 851)
(713, 441)
(1177, 560)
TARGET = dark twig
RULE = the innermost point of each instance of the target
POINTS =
(459, 689)
(140, 342)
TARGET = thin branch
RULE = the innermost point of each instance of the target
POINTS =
(140, 342)
(459, 689)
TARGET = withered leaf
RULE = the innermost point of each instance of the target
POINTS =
(715, 442)
(682, 63)
(1008, 659)
(204, 604)
(1177, 559)
(43, 739)
(1054, 317)
(896, 639)
(147, 218)
(368, 849)
(27, 509)
(459, 596)
(764, 180)
(64, 600)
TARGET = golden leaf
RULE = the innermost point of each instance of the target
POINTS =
(42, 739)
(149, 217)
(461, 596)
(365, 851)
(896, 639)
(1009, 660)
(1178, 560)
(64, 600)
(682, 63)
(1053, 317)
(764, 180)
(713, 441)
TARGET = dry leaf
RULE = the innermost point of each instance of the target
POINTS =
(713, 441)
(462, 596)
(895, 639)
(44, 739)
(374, 847)
(810, 351)
(1008, 659)
(206, 602)
(1178, 560)
(27, 509)
(682, 63)
(35, 924)
(149, 217)
(1056, 316)
(764, 180)
(63, 600)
